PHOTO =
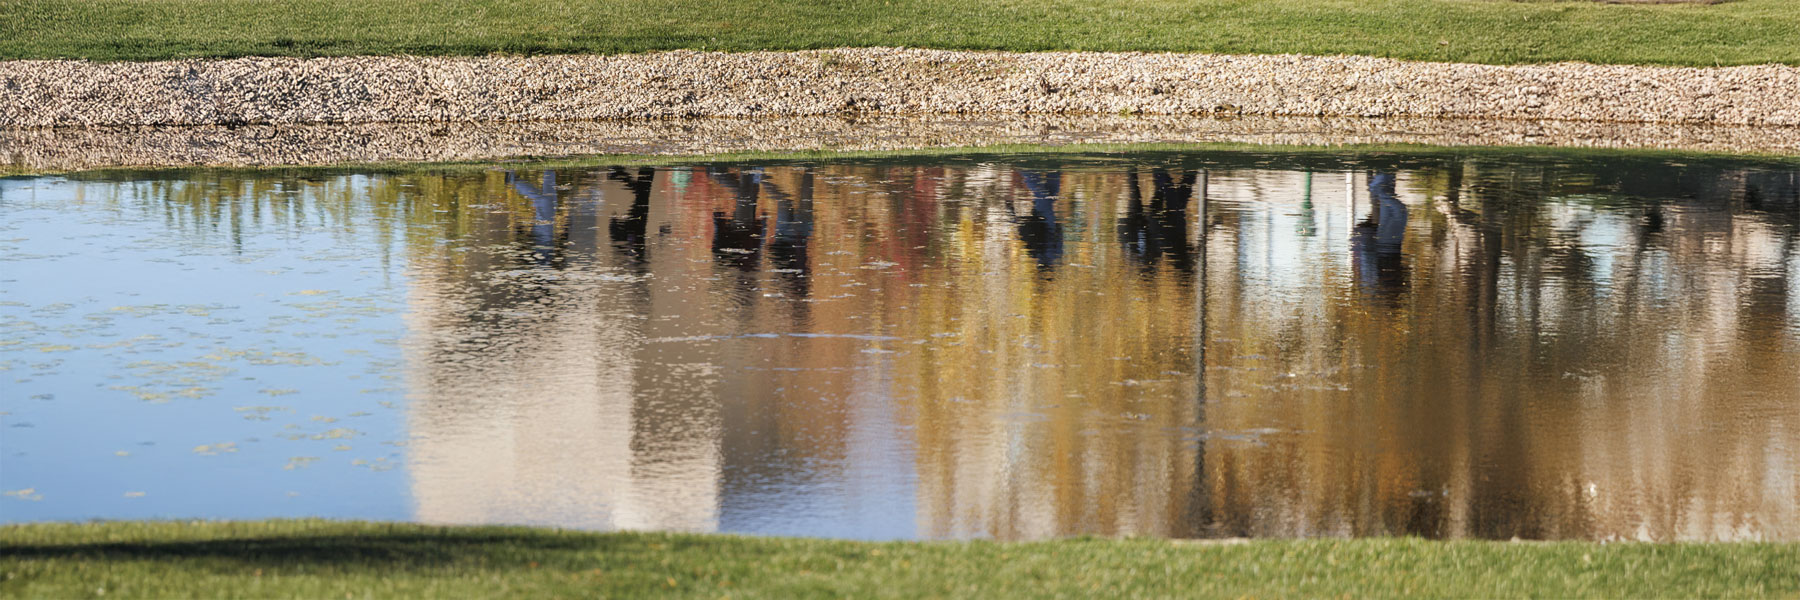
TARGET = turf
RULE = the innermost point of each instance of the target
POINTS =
(318, 559)
(1481, 31)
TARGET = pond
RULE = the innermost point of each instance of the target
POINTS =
(1205, 343)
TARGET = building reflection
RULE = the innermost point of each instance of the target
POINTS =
(1024, 349)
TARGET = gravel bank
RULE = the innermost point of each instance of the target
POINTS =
(873, 81)
(70, 149)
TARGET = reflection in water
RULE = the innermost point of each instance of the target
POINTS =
(1380, 266)
(1173, 345)
(1159, 228)
(628, 232)
(1042, 235)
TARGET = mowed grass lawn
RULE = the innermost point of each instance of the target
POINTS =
(1483, 31)
(318, 559)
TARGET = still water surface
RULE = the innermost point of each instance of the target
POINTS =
(1165, 344)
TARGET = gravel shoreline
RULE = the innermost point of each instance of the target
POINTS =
(73, 149)
(874, 81)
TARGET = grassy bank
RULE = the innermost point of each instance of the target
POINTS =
(1483, 31)
(317, 559)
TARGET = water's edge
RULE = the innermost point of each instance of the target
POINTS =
(42, 150)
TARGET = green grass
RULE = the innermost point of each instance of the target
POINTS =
(1484, 31)
(318, 559)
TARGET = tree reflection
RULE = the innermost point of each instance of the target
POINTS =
(1490, 346)
(1158, 229)
(1380, 265)
(546, 243)
(1039, 229)
(737, 234)
(793, 231)
(629, 232)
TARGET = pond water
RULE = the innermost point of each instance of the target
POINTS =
(1184, 344)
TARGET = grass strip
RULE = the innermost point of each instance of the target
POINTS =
(1479, 31)
(317, 559)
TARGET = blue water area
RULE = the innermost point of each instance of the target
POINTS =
(1449, 344)
(160, 365)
